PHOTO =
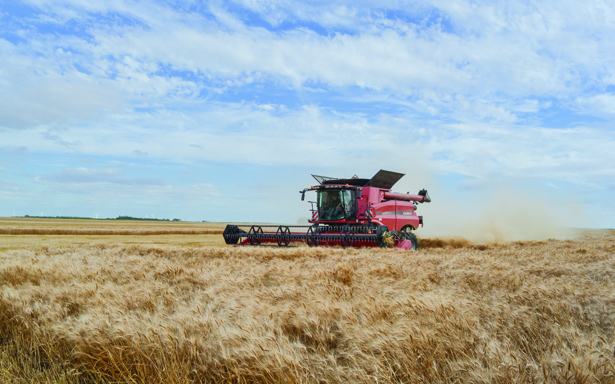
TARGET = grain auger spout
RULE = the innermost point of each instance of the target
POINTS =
(422, 197)
(351, 212)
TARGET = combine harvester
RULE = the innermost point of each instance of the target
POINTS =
(348, 213)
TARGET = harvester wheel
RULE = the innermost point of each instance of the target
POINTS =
(259, 238)
(251, 236)
(312, 236)
(254, 235)
(282, 236)
(279, 236)
(412, 238)
(347, 236)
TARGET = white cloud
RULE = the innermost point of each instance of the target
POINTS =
(519, 58)
(600, 105)
(245, 133)
(12, 190)
(29, 98)
(496, 63)
(14, 150)
(88, 176)
(139, 153)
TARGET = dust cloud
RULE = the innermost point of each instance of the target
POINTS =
(500, 217)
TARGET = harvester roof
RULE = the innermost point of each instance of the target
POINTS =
(383, 179)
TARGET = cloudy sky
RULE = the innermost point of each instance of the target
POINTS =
(220, 111)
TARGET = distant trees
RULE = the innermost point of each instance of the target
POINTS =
(90, 218)
(139, 218)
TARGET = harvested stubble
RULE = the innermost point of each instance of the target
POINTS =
(536, 311)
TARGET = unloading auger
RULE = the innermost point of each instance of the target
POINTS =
(351, 212)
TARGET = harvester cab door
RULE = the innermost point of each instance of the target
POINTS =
(330, 205)
(349, 197)
(337, 205)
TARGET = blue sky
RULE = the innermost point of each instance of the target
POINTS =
(220, 111)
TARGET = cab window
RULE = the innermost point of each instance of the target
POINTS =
(336, 204)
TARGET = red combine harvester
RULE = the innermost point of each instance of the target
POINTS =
(348, 213)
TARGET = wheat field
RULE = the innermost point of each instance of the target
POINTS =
(104, 310)
(36, 226)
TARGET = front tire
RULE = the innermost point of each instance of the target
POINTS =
(413, 239)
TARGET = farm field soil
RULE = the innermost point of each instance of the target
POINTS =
(105, 311)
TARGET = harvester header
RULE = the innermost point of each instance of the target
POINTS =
(347, 212)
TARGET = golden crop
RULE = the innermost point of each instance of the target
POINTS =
(100, 232)
(531, 311)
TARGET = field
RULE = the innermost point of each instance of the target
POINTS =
(147, 302)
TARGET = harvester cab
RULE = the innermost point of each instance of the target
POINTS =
(348, 212)
(336, 205)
